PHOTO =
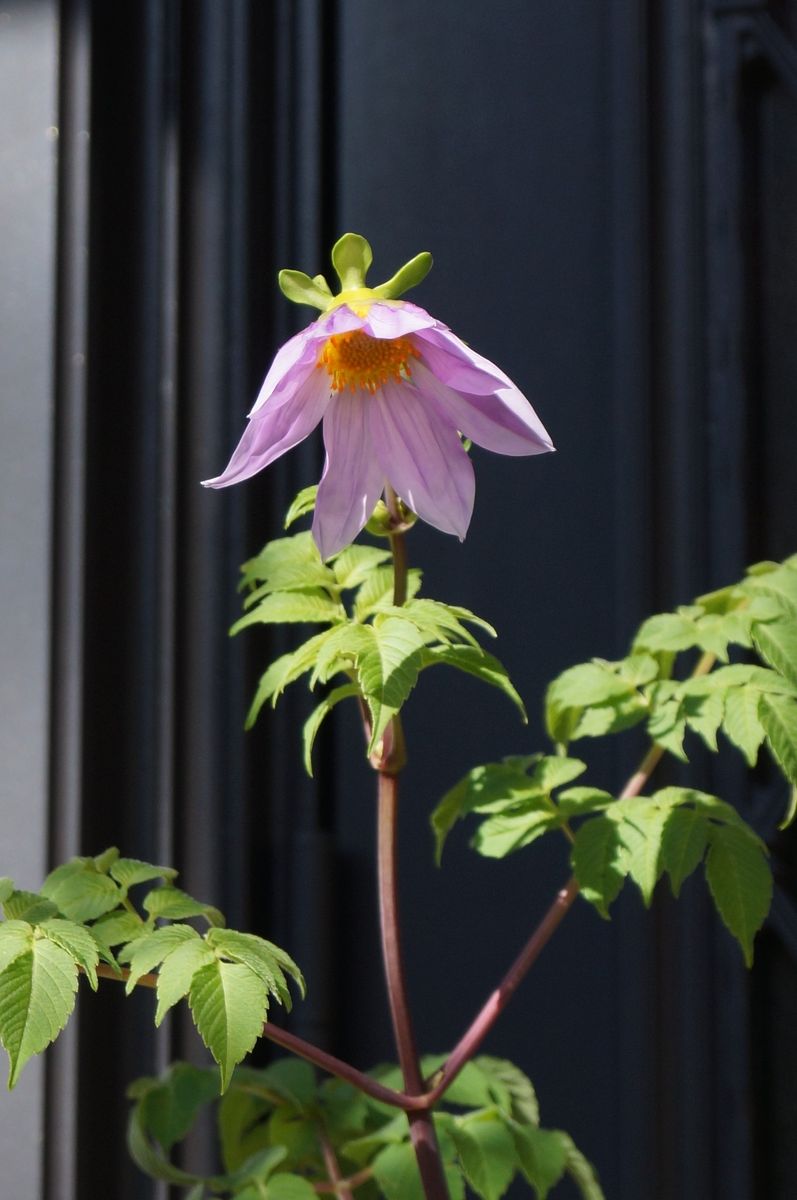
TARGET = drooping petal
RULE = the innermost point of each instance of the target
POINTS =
(274, 430)
(422, 458)
(352, 481)
(497, 422)
(291, 366)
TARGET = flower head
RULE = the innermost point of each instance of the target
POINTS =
(395, 389)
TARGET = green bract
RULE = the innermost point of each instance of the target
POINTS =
(352, 257)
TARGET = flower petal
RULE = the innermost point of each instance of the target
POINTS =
(395, 318)
(503, 422)
(290, 368)
(276, 429)
(422, 457)
(352, 481)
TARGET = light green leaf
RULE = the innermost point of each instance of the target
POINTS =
(265, 959)
(303, 504)
(578, 801)
(444, 621)
(317, 716)
(16, 937)
(6, 888)
(597, 859)
(477, 662)
(666, 723)
(356, 563)
(28, 906)
(174, 904)
(740, 880)
(285, 670)
(576, 689)
(388, 671)
(640, 825)
(37, 995)
(275, 555)
(542, 1154)
(704, 715)
(129, 871)
(741, 723)
(309, 608)
(392, 1133)
(683, 844)
(501, 835)
(376, 593)
(79, 892)
(668, 632)
(776, 642)
(119, 927)
(148, 952)
(780, 583)
(228, 1002)
(77, 941)
(779, 719)
(177, 972)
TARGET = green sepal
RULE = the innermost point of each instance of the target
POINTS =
(352, 257)
(301, 289)
(408, 276)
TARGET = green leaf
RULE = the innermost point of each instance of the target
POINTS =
(177, 972)
(284, 1186)
(576, 689)
(666, 632)
(542, 1154)
(119, 927)
(28, 906)
(396, 1172)
(597, 858)
(581, 1171)
(129, 871)
(376, 592)
(79, 892)
(472, 660)
(392, 1133)
(780, 583)
(148, 952)
(77, 941)
(741, 723)
(168, 1108)
(683, 844)
(175, 904)
(265, 959)
(704, 715)
(317, 716)
(6, 888)
(16, 937)
(228, 1002)
(443, 622)
(487, 1153)
(388, 671)
(779, 719)
(303, 504)
(502, 834)
(640, 826)
(578, 801)
(37, 995)
(667, 723)
(150, 1159)
(740, 881)
(777, 645)
(309, 608)
(356, 563)
(284, 670)
(523, 1106)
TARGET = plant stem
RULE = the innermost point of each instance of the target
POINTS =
(340, 1185)
(422, 1133)
(303, 1049)
(354, 1181)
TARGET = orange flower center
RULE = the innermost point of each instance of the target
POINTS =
(356, 361)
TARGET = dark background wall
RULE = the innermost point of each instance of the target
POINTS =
(608, 189)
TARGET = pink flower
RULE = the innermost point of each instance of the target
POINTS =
(395, 389)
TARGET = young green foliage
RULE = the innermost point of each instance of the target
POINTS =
(84, 914)
(371, 649)
(273, 1123)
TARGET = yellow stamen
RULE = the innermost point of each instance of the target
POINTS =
(356, 361)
